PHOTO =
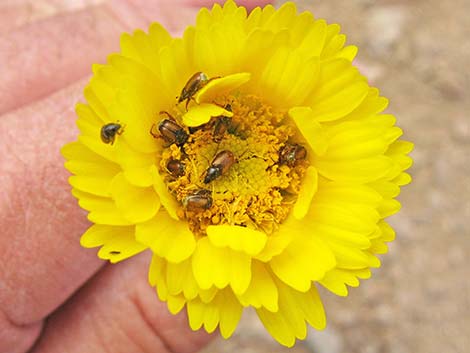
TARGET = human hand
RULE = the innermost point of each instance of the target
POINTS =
(54, 295)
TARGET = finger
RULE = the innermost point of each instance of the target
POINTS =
(15, 13)
(117, 311)
(44, 56)
(41, 261)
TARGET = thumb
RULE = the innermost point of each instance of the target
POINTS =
(117, 311)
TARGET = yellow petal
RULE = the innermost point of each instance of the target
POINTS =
(267, 12)
(201, 114)
(260, 45)
(305, 252)
(144, 47)
(347, 257)
(180, 279)
(378, 247)
(275, 244)
(120, 152)
(333, 46)
(359, 140)
(117, 243)
(167, 200)
(207, 295)
(292, 313)
(389, 207)
(213, 266)
(310, 129)
(93, 185)
(402, 179)
(175, 70)
(306, 194)
(195, 310)
(400, 147)
(135, 203)
(168, 238)
(399, 163)
(220, 86)
(300, 27)
(98, 108)
(331, 42)
(211, 318)
(157, 278)
(334, 285)
(277, 81)
(230, 313)
(288, 323)
(277, 326)
(371, 105)
(386, 189)
(86, 114)
(312, 307)
(102, 210)
(137, 117)
(340, 235)
(217, 50)
(337, 279)
(224, 310)
(252, 22)
(341, 103)
(314, 40)
(344, 217)
(262, 291)
(282, 18)
(100, 168)
(349, 53)
(95, 145)
(77, 150)
(237, 238)
(139, 176)
(203, 19)
(175, 304)
(203, 313)
(364, 170)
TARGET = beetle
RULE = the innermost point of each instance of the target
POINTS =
(291, 153)
(109, 132)
(220, 128)
(221, 125)
(219, 165)
(170, 131)
(175, 168)
(194, 84)
(198, 201)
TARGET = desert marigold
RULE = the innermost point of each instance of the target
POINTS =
(250, 156)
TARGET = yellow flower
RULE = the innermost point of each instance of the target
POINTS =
(250, 156)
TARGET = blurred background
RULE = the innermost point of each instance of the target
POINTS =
(418, 53)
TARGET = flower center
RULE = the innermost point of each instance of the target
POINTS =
(244, 170)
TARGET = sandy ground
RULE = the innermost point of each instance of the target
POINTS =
(417, 52)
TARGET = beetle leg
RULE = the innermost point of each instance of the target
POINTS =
(164, 112)
(121, 130)
(154, 135)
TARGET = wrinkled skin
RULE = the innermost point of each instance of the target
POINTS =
(90, 306)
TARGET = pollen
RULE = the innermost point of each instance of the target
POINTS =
(254, 188)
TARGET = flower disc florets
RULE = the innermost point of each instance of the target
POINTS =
(258, 187)
(271, 172)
